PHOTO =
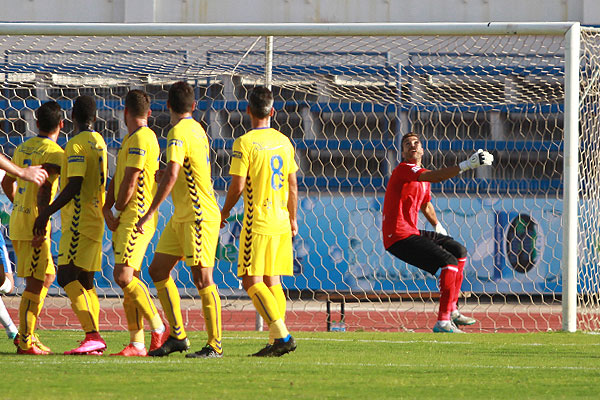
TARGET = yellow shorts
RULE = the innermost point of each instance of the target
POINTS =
(33, 262)
(130, 246)
(265, 255)
(83, 251)
(196, 243)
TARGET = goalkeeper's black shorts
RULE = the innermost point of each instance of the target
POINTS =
(428, 251)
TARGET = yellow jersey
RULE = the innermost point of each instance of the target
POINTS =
(34, 151)
(139, 150)
(85, 156)
(265, 157)
(193, 194)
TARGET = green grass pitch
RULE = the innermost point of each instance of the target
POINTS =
(360, 365)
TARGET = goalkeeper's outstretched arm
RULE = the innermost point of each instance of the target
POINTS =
(476, 160)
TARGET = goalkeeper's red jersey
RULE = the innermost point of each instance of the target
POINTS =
(404, 197)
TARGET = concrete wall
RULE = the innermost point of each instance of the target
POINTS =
(210, 11)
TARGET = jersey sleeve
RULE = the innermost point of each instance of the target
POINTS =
(54, 157)
(137, 152)
(76, 160)
(175, 147)
(239, 159)
(409, 172)
(293, 164)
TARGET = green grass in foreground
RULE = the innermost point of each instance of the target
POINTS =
(362, 365)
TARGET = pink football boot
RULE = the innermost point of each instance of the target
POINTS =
(93, 344)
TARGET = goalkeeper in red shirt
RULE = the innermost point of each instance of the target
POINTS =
(407, 193)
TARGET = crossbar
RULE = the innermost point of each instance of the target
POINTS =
(286, 29)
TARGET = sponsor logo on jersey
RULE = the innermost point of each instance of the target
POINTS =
(175, 142)
(135, 150)
(78, 159)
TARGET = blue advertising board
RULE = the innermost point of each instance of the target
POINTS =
(514, 245)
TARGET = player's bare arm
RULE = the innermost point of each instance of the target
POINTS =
(9, 186)
(112, 222)
(127, 187)
(236, 188)
(44, 197)
(439, 175)
(429, 212)
(476, 160)
(164, 189)
(158, 175)
(34, 173)
(292, 204)
(9, 183)
(126, 190)
(67, 194)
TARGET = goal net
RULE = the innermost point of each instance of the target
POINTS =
(345, 101)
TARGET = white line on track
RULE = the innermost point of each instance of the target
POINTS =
(413, 341)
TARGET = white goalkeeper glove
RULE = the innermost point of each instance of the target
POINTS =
(440, 229)
(476, 160)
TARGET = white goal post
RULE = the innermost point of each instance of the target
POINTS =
(345, 93)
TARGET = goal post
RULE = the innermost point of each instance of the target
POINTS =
(571, 177)
(345, 94)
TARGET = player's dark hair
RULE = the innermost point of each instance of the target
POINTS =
(48, 116)
(84, 111)
(181, 97)
(260, 102)
(137, 103)
(407, 135)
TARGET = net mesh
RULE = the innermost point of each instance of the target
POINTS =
(588, 234)
(345, 102)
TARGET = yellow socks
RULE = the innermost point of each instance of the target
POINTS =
(211, 308)
(279, 295)
(82, 305)
(43, 294)
(277, 291)
(138, 304)
(29, 309)
(267, 307)
(135, 321)
(171, 304)
(264, 302)
(95, 306)
(139, 294)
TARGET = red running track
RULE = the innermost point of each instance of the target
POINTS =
(62, 318)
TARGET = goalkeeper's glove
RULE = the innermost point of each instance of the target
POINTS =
(440, 229)
(476, 160)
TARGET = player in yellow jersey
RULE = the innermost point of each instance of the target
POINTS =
(34, 259)
(38, 175)
(81, 199)
(35, 174)
(192, 232)
(129, 196)
(264, 169)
